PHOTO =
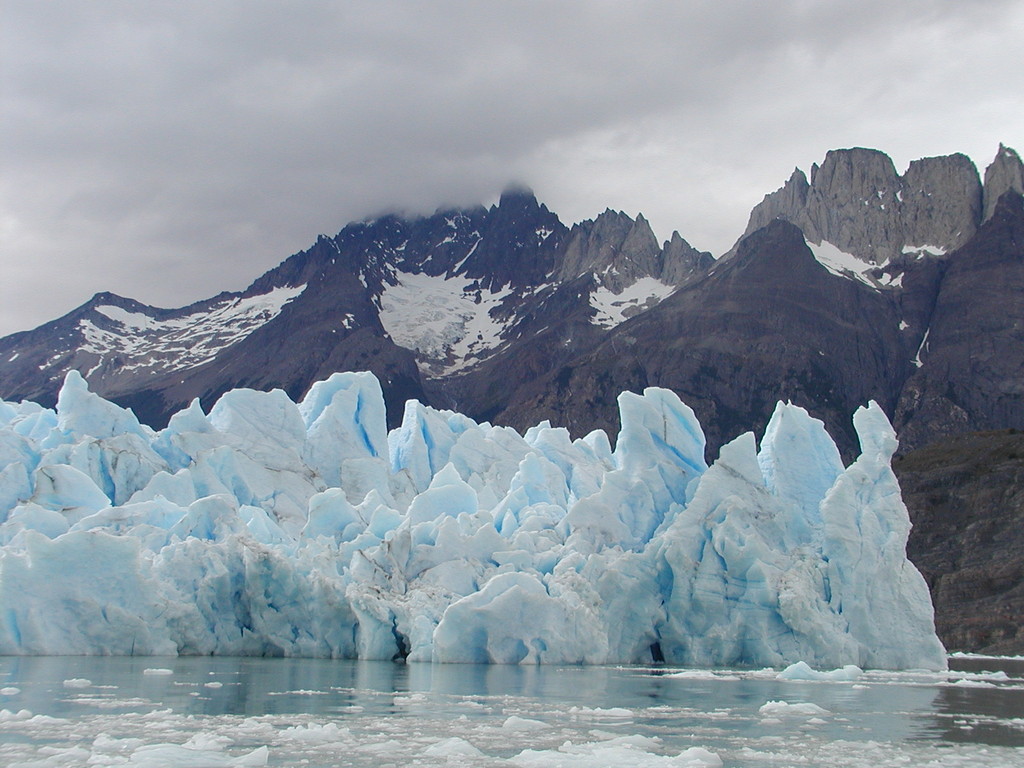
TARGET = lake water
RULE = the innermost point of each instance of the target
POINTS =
(89, 711)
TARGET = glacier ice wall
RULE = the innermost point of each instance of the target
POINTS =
(274, 528)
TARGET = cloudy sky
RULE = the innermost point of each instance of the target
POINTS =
(170, 150)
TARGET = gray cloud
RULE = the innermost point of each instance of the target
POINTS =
(169, 150)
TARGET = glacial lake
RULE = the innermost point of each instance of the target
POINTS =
(188, 711)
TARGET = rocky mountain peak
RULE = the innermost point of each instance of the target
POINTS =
(620, 250)
(856, 201)
(1005, 173)
(940, 201)
(615, 247)
(517, 195)
(681, 261)
(782, 203)
(852, 202)
(519, 238)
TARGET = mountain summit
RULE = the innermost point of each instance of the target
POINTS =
(411, 299)
(857, 202)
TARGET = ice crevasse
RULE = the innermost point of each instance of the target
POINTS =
(268, 527)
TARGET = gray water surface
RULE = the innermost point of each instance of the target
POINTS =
(188, 711)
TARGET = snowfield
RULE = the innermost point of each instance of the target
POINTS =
(183, 342)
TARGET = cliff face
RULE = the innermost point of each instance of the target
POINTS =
(969, 363)
(858, 202)
(965, 495)
(1005, 174)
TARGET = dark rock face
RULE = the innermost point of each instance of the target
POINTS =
(972, 358)
(965, 495)
(769, 324)
(1005, 174)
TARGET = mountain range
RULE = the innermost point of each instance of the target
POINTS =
(852, 283)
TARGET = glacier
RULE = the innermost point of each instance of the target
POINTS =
(269, 527)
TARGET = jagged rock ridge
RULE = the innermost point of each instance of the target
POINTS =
(409, 299)
(858, 202)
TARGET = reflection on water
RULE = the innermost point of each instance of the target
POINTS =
(301, 711)
(987, 708)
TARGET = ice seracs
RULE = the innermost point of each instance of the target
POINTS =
(278, 528)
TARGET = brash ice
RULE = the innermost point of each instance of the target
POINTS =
(276, 528)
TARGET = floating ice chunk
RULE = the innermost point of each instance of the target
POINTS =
(8, 716)
(802, 671)
(175, 756)
(523, 724)
(621, 750)
(698, 757)
(785, 709)
(452, 747)
(315, 733)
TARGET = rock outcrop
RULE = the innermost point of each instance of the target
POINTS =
(968, 365)
(965, 495)
(858, 202)
(681, 261)
(940, 202)
(1005, 174)
(616, 248)
(619, 250)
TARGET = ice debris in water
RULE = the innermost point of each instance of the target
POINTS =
(273, 528)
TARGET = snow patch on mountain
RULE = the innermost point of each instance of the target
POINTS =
(842, 263)
(923, 348)
(180, 342)
(923, 251)
(447, 321)
(613, 308)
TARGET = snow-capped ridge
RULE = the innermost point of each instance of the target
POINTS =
(178, 341)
